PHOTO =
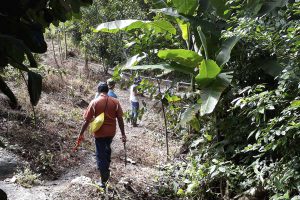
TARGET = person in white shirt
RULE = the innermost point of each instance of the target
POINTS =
(134, 101)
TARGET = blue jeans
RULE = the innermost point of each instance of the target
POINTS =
(134, 111)
(103, 154)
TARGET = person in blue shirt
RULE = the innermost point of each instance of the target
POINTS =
(111, 85)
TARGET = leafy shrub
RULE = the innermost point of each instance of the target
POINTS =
(27, 178)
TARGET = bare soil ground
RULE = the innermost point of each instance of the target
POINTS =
(46, 146)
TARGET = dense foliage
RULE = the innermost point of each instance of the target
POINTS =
(247, 147)
(240, 119)
(105, 48)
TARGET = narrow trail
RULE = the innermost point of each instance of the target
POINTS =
(145, 147)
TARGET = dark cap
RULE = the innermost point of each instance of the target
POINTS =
(102, 87)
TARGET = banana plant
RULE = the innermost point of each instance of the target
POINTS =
(202, 59)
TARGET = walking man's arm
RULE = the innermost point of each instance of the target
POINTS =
(83, 128)
(121, 126)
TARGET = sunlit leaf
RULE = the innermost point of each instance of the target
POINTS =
(180, 192)
(295, 104)
(203, 41)
(134, 60)
(186, 7)
(168, 11)
(116, 26)
(164, 67)
(184, 27)
(182, 56)
(161, 26)
(172, 98)
(208, 137)
(158, 26)
(208, 72)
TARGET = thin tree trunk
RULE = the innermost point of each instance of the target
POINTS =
(193, 83)
(86, 64)
(59, 47)
(54, 55)
(66, 45)
(165, 120)
(105, 67)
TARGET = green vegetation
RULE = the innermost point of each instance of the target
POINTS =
(239, 119)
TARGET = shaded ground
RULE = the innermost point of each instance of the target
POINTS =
(46, 148)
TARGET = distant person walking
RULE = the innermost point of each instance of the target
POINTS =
(134, 101)
(104, 136)
(111, 86)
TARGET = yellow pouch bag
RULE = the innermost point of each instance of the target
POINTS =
(96, 124)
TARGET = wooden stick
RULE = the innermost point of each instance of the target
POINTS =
(125, 153)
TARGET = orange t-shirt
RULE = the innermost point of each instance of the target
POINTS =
(112, 111)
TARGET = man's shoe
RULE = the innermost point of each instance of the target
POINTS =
(101, 184)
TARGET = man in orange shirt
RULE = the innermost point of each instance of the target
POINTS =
(104, 136)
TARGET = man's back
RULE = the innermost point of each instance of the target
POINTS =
(112, 109)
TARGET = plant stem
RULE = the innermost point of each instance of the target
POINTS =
(165, 119)
(166, 129)
(54, 55)
(66, 45)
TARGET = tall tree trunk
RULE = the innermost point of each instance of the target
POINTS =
(54, 55)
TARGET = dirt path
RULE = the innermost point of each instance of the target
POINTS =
(145, 147)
